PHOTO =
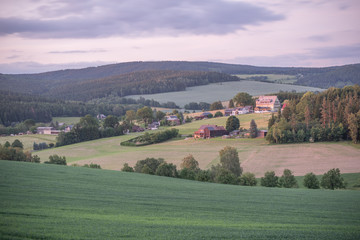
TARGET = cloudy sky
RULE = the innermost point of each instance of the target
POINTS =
(43, 35)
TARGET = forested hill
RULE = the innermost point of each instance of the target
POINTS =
(143, 82)
(44, 83)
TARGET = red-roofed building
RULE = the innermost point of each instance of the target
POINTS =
(209, 131)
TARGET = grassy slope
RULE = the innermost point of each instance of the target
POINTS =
(55, 202)
(256, 155)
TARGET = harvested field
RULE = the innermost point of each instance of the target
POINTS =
(255, 154)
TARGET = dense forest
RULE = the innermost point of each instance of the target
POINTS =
(331, 115)
(15, 108)
(335, 77)
(147, 82)
(155, 77)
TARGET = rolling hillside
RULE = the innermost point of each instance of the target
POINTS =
(60, 83)
(40, 201)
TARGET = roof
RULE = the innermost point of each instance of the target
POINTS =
(212, 127)
(267, 99)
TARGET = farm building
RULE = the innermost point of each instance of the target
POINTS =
(262, 133)
(47, 130)
(100, 116)
(68, 128)
(267, 104)
(173, 119)
(203, 115)
(154, 125)
(238, 111)
(209, 131)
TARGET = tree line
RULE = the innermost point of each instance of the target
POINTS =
(229, 171)
(331, 115)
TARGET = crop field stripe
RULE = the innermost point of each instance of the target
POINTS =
(40, 201)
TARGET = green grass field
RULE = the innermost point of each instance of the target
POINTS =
(40, 201)
(222, 91)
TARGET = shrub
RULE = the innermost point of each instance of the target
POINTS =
(17, 144)
(127, 168)
(187, 173)
(248, 179)
(166, 170)
(92, 165)
(225, 176)
(149, 165)
(218, 114)
(203, 176)
(269, 180)
(287, 180)
(55, 159)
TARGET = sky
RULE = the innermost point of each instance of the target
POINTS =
(45, 35)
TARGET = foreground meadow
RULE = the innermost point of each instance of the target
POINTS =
(41, 201)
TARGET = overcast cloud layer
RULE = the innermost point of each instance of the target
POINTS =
(41, 35)
(86, 19)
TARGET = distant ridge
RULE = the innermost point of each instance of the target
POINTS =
(49, 83)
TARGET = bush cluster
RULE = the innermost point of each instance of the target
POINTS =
(14, 152)
(152, 138)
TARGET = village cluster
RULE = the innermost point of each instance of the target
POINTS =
(263, 104)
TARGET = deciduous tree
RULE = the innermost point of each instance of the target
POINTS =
(248, 179)
(189, 162)
(270, 179)
(232, 123)
(243, 99)
(287, 180)
(111, 122)
(253, 129)
(311, 181)
(332, 179)
(229, 160)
